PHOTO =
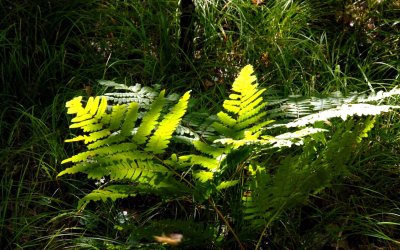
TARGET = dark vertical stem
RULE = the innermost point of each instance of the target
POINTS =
(187, 32)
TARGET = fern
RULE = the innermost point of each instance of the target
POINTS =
(128, 135)
(300, 175)
(244, 109)
(150, 120)
(296, 106)
(344, 111)
(103, 195)
(115, 145)
(161, 137)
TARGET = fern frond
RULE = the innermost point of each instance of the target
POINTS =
(344, 111)
(244, 110)
(114, 144)
(103, 195)
(296, 106)
(204, 161)
(129, 123)
(299, 175)
(207, 149)
(77, 168)
(227, 184)
(203, 176)
(112, 149)
(150, 120)
(159, 141)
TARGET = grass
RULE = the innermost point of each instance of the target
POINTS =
(52, 51)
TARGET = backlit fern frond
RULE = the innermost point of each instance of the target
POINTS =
(116, 139)
(158, 142)
(244, 110)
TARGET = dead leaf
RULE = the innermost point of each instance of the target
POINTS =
(257, 2)
(171, 239)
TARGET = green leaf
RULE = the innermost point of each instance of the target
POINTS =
(161, 137)
(150, 120)
(102, 195)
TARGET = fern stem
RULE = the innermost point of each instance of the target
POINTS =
(268, 224)
(211, 201)
(261, 236)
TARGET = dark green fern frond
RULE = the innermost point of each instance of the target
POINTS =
(297, 176)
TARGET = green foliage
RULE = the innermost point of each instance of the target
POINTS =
(53, 50)
(138, 160)
(121, 151)
(319, 163)
(245, 104)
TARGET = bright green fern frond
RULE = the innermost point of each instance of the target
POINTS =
(244, 109)
(207, 149)
(103, 195)
(136, 170)
(161, 137)
(150, 120)
(129, 122)
(243, 83)
(117, 114)
(114, 142)
(204, 161)
(77, 168)
(227, 184)
(203, 176)
(112, 149)
(226, 119)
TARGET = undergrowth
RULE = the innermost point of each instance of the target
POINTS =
(52, 51)
(130, 160)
